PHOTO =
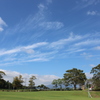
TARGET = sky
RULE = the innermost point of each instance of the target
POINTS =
(47, 37)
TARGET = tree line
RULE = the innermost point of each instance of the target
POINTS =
(74, 77)
(77, 78)
(18, 83)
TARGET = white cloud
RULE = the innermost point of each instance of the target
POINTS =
(51, 25)
(90, 2)
(86, 55)
(89, 75)
(88, 42)
(2, 23)
(74, 50)
(92, 13)
(38, 59)
(27, 49)
(49, 2)
(97, 48)
(41, 79)
(41, 7)
(60, 43)
(92, 65)
(1, 29)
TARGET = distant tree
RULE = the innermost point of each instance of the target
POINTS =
(17, 82)
(96, 76)
(1, 74)
(42, 86)
(2, 84)
(55, 83)
(65, 83)
(75, 77)
(31, 82)
(60, 83)
(89, 83)
(2, 81)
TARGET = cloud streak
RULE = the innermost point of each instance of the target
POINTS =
(93, 13)
(46, 51)
(2, 23)
(27, 49)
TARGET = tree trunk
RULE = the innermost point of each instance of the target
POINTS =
(74, 86)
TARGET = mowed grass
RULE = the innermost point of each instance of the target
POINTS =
(49, 95)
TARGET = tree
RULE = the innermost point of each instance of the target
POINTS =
(1, 74)
(89, 83)
(65, 83)
(55, 83)
(17, 82)
(75, 77)
(42, 86)
(96, 76)
(31, 82)
(60, 82)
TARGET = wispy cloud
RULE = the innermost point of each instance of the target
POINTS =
(46, 51)
(2, 23)
(93, 13)
(86, 55)
(27, 49)
(49, 2)
(90, 2)
(88, 42)
(92, 65)
(97, 48)
(60, 43)
(51, 25)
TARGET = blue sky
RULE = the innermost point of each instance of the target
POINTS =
(48, 37)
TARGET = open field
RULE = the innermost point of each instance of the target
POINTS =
(49, 95)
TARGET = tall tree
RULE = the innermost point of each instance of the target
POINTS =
(96, 76)
(31, 82)
(60, 82)
(2, 81)
(75, 77)
(1, 74)
(17, 82)
(89, 83)
(55, 83)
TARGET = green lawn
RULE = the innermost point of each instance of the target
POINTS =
(49, 95)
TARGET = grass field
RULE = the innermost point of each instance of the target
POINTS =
(49, 95)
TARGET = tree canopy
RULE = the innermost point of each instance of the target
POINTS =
(17, 82)
(96, 76)
(31, 82)
(1, 74)
(75, 77)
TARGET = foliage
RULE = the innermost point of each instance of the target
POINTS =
(89, 83)
(75, 77)
(96, 76)
(55, 83)
(60, 82)
(42, 86)
(17, 82)
(31, 81)
(1, 74)
(5, 84)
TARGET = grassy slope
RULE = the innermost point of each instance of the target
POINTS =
(47, 95)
